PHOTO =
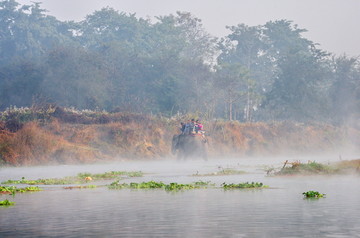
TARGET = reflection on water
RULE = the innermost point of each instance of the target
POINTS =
(279, 211)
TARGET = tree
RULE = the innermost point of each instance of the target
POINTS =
(75, 77)
(283, 37)
(8, 14)
(179, 63)
(245, 47)
(297, 92)
(199, 45)
(108, 25)
(232, 80)
(26, 32)
(345, 89)
(19, 83)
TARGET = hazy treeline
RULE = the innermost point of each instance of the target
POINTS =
(118, 62)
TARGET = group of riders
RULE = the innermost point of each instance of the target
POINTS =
(191, 141)
(192, 127)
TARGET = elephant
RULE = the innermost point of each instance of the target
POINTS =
(187, 146)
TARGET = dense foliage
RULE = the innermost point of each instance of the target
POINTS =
(116, 61)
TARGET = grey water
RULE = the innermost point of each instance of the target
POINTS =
(277, 211)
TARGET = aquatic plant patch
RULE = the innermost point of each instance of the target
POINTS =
(117, 185)
(158, 185)
(13, 189)
(313, 194)
(50, 181)
(243, 185)
(110, 175)
(7, 190)
(81, 187)
(204, 184)
(178, 186)
(79, 179)
(310, 168)
(6, 203)
(222, 172)
(143, 185)
(29, 189)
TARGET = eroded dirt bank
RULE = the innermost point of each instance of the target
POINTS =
(68, 138)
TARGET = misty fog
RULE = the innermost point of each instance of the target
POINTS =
(102, 108)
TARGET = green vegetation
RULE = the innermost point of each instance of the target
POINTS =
(309, 168)
(79, 179)
(117, 185)
(6, 203)
(110, 175)
(159, 185)
(177, 186)
(81, 187)
(50, 181)
(314, 168)
(13, 189)
(313, 194)
(163, 57)
(222, 172)
(204, 184)
(243, 185)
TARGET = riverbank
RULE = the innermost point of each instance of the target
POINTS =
(64, 136)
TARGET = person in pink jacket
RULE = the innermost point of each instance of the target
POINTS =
(199, 126)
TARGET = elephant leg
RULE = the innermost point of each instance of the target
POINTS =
(204, 151)
(174, 144)
(204, 155)
(180, 155)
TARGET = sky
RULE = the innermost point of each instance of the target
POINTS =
(334, 24)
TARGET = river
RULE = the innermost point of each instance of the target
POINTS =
(277, 211)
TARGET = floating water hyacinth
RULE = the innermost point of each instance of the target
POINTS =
(243, 185)
(12, 189)
(159, 185)
(313, 194)
(6, 203)
(79, 179)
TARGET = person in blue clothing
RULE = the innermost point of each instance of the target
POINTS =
(182, 127)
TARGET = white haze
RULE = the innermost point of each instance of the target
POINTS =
(331, 23)
(168, 168)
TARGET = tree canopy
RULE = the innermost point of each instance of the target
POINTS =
(117, 61)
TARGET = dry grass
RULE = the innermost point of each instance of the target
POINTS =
(34, 145)
(72, 137)
(279, 138)
(349, 164)
(7, 153)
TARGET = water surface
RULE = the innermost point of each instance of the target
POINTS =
(280, 211)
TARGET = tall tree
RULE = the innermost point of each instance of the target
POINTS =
(245, 47)
(108, 25)
(181, 56)
(232, 81)
(296, 92)
(27, 32)
(345, 89)
(75, 77)
(19, 82)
